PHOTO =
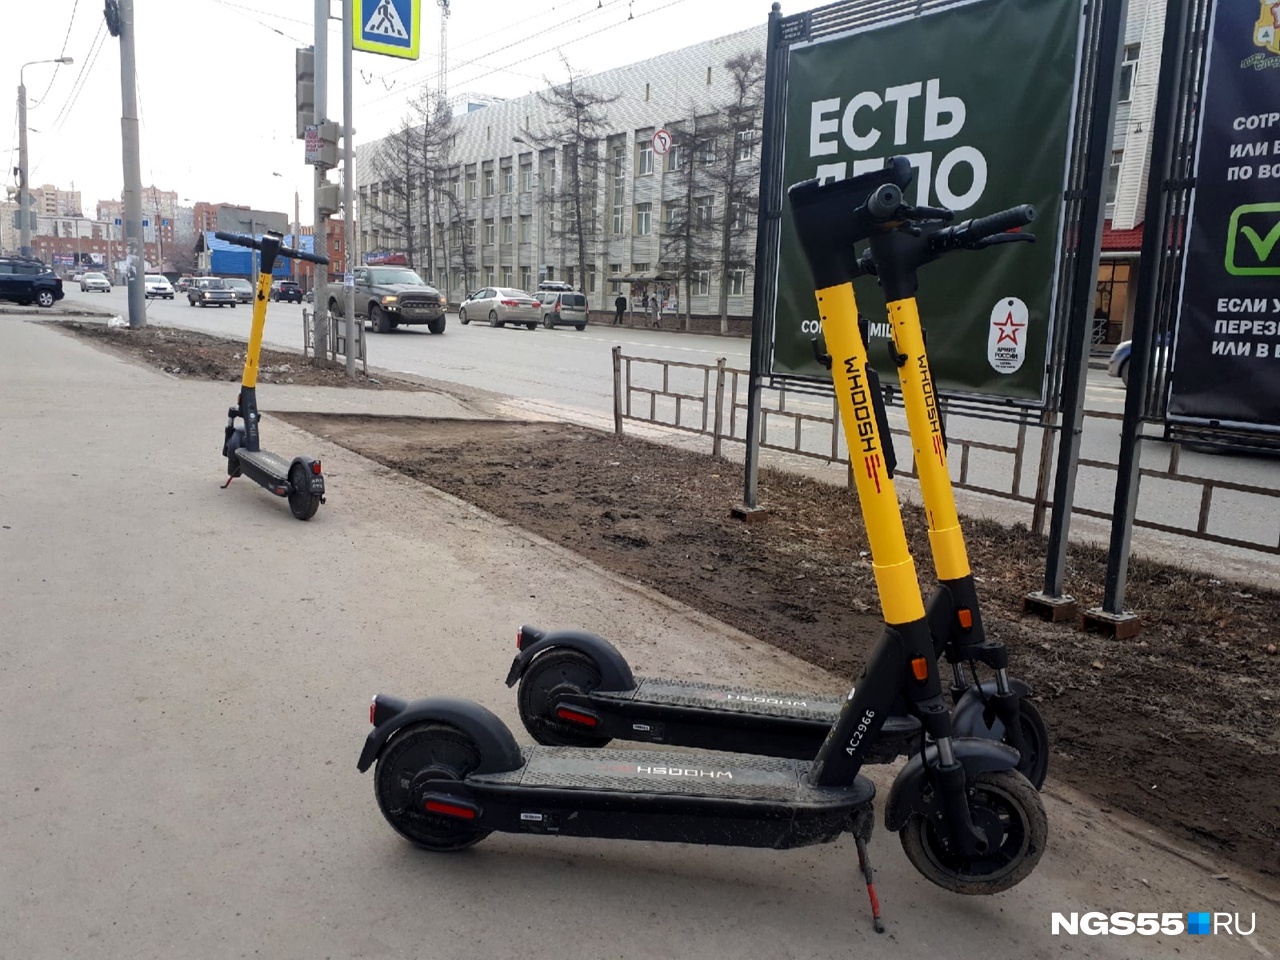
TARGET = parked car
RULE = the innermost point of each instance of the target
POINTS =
(500, 306)
(26, 280)
(95, 281)
(286, 290)
(154, 285)
(183, 283)
(1118, 365)
(243, 289)
(75, 277)
(208, 291)
(389, 296)
(566, 308)
(555, 286)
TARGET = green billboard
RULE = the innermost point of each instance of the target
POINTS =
(980, 97)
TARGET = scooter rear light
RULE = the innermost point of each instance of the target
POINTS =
(520, 639)
(920, 669)
(965, 616)
(573, 716)
(373, 709)
(315, 467)
(450, 810)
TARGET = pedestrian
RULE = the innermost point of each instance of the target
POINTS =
(620, 307)
(656, 304)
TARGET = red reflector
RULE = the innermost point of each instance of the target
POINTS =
(920, 669)
(450, 810)
(315, 467)
(520, 639)
(373, 708)
(965, 616)
(573, 716)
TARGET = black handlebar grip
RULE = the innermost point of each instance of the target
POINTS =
(884, 201)
(303, 255)
(240, 240)
(1001, 222)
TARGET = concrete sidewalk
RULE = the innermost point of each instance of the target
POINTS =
(187, 672)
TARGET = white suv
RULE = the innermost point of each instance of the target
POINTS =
(154, 285)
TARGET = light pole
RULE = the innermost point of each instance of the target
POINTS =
(297, 227)
(24, 192)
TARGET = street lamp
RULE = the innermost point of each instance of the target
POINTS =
(294, 266)
(24, 193)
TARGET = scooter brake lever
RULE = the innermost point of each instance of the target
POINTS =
(928, 213)
(1003, 238)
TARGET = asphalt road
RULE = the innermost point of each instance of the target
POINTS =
(187, 672)
(567, 373)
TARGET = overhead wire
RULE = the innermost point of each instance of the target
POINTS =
(58, 66)
(247, 13)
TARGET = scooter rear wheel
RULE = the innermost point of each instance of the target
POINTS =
(420, 752)
(1034, 763)
(550, 676)
(1008, 809)
(302, 501)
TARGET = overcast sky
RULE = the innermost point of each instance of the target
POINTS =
(216, 80)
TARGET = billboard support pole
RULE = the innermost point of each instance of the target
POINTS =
(769, 225)
(1052, 602)
(1154, 237)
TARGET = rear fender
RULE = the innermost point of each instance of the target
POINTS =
(317, 479)
(498, 749)
(913, 790)
(615, 673)
(970, 717)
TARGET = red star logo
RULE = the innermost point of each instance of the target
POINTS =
(1008, 330)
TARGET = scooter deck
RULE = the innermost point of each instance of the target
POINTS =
(721, 717)
(268, 464)
(717, 798)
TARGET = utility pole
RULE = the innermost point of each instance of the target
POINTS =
(120, 22)
(297, 243)
(348, 175)
(24, 191)
(320, 239)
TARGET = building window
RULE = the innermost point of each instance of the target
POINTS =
(1127, 70)
(490, 234)
(526, 278)
(701, 280)
(471, 184)
(508, 234)
(707, 150)
(669, 218)
(744, 145)
(506, 276)
(737, 283)
(615, 268)
(488, 279)
(1113, 175)
(591, 279)
(470, 235)
(1111, 302)
(639, 268)
(526, 229)
(619, 161)
(508, 180)
(643, 224)
(489, 182)
(702, 212)
(526, 178)
(675, 155)
(644, 158)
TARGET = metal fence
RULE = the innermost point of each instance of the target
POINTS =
(711, 400)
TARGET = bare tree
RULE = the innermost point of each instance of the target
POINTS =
(578, 124)
(735, 169)
(687, 230)
(393, 192)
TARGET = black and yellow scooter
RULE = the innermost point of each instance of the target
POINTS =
(449, 772)
(577, 689)
(299, 480)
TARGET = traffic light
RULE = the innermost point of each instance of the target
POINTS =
(305, 60)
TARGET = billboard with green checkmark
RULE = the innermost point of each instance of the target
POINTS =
(1226, 362)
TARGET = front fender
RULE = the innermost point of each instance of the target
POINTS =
(970, 718)
(498, 749)
(615, 672)
(912, 792)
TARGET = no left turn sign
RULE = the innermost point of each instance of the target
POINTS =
(661, 142)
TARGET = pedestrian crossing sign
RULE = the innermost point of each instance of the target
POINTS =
(388, 27)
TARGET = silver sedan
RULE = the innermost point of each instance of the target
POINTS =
(500, 306)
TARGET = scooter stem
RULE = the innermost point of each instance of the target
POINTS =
(249, 379)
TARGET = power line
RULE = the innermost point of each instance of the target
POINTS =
(236, 8)
(58, 66)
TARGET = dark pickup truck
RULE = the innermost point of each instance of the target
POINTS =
(390, 296)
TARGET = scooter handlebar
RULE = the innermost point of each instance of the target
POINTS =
(241, 240)
(972, 232)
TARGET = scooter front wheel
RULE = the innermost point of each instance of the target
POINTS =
(552, 675)
(1006, 807)
(302, 501)
(422, 752)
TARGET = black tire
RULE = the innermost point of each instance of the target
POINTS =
(1008, 808)
(1034, 761)
(493, 319)
(531, 326)
(548, 322)
(378, 317)
(190, 302)
(551, 674)
(436, 326)
(579, 327)
(44, 298)
(435, 750)
(302, 501)
(462, 317)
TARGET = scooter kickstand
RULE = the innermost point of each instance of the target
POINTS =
(864, 862)
(227, 484)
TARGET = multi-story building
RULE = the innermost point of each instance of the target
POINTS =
(495, 227)
(9, 235)
(49, 201)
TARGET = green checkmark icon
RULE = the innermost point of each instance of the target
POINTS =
(1262, 246)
